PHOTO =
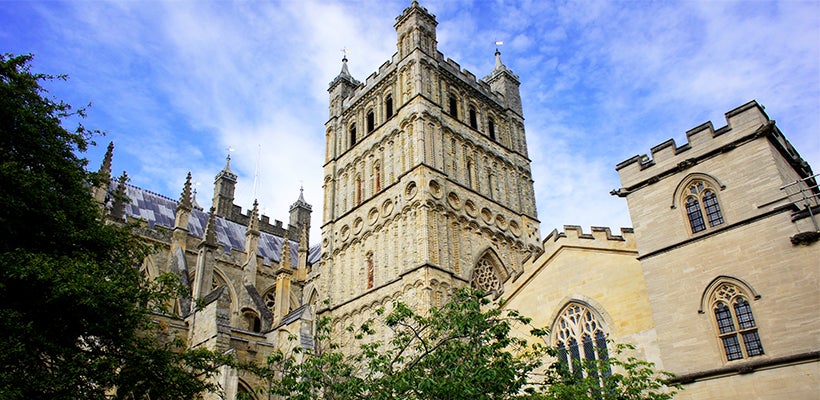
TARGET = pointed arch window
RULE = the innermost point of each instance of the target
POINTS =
(702, 206)
(735, 322)
(491, 128)
(484, 277)
(358, 190)
(388, 106)
(453, 103)
(352, 132)
(370, 270)
(473, 118)
(371, 121)
(579, 336)
(489, 274)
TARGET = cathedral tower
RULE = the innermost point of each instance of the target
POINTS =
(427, 183)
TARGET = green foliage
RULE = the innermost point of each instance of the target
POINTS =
(75, 314)
(465, 349)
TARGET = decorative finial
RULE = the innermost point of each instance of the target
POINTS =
(185, 200)
(210, 229)
(105, 168)
(285, 259)
(118, 205)
(253, 224)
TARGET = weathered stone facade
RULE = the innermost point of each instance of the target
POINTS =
(427, 187)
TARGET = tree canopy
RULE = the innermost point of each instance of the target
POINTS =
(75, 314)
(466, 349)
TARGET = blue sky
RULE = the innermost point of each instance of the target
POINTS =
(177, 83)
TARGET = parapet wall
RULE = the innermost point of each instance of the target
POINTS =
(388, 67)
(742, 121)
(599, 238)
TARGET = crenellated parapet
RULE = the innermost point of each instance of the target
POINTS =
(744, 124)
(573, 236)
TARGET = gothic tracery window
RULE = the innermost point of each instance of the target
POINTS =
(700, 200)
(484, 277)
(270, 299)
(736, 325)
(580, 335)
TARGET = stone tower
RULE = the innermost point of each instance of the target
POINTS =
(730, 257)
(427, 183)
(224, 186)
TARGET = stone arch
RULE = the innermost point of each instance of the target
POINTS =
(218, 274)
(588, 302)
(724, 279)
(489, 273)
(689, 178)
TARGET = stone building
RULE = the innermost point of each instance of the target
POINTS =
(427, 187)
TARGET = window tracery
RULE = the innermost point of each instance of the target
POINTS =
(484, 277)
(270, 299)
(700, 199)
(580, 335)
(735, 321)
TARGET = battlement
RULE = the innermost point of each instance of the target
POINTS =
(573, 236)
(748, 119)
(388, 67)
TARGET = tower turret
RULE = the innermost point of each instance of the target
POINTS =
(300, 215)
(504, 81)
(224, 186)
(416, 29)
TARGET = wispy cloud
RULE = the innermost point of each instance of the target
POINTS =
(177, 83)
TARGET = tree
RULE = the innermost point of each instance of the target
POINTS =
(75, 314)
(465, 349)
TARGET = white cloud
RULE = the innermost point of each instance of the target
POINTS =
(176, 83)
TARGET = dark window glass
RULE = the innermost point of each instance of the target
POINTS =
(752, 342)
(491, 128)
(388, 106)
(562, 355)
(575, 356)
(473, 119)
(712, 208)
(603, 355)
(352, 134)
(724, 318)
(453, 107)
(745, 319)
(732, 348)
(695, 215)
(371, 122)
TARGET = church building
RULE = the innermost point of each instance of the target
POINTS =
(428, 188)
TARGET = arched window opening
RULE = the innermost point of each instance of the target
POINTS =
(377, 170)
(470, 173)
(370, 271)
(491, 128)
(388, 106)
(701, 199)
(358, 190)
(485, 278)
(371, 121)
(352, 135)
(735, 321)
(270, 299)
(473, 118)
(579, 337)
(453, 107)
(252, 321)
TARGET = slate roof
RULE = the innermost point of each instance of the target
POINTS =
(157, 209)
